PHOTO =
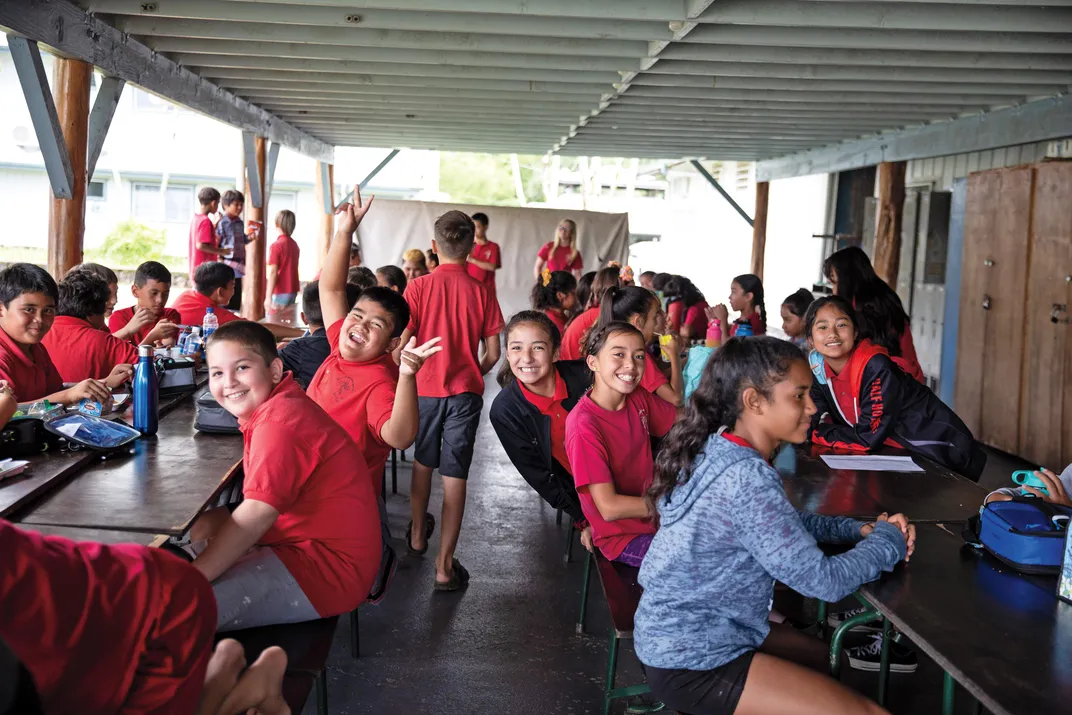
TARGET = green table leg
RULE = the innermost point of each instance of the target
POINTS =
(949, 694)
(884, 664)
(612, 668)
(821, 617)
(839, 635)
(977, 707)
(584, 591)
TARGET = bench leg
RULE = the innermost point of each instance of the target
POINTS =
(355, 635)
(839, 636)
(383, 482)
(394, 471)
(403, 455)
(821, 609)
(568, 556)
(322, 692)
(884, 664)
(558, 518)
(612, 670)
(949, 694)
(584, 591)
(977, 707)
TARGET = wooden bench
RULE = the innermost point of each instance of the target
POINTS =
(622, 593)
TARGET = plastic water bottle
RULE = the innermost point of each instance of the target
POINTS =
(714, 333)
(209, 325)
(744, 330)
(146, 392)
(180, 342)
(192, 346)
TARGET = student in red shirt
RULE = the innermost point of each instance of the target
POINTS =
(283, 283)
(305, 541)
(577, 329)
(453, 305)
(148, 322)
(359, 384)
(391, 277)
(214, 284)
(486, 257)
(203, 245)
(608, 441)
(746, 297)
(111, 279)
(561, 254)
(79, 348)
(688, 312)
(28, 297)
(640, 308)
(555, 295)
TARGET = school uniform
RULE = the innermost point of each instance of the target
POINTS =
(120, 318)
(284, 254)
(299, 461)
(575, 332)
(104, 629)
(79, 351)
(614, 447)
(758, 325)
(201, 233)
(488, 253)
(31, 376)
(559, 258)
(558, 318)
(653, 378)
(675, 309)
(696, 319)
(191, 307)
(873, 402)
(304, 356)
(532, 430)
(360, 396)
(452, 305)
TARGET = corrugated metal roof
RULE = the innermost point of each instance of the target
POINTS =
(728, 79)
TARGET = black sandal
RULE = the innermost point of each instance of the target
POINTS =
(458, 581)
(429, 528)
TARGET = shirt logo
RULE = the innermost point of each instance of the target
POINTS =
(643, 414)
(343, 388)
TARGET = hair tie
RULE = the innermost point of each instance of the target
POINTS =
(626, 273)
(545, 275)
(614, 264)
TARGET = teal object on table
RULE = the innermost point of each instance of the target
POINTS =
(698, 357)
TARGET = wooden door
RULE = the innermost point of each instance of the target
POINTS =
(1046, 418)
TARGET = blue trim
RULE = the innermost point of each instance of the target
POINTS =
(951, 321)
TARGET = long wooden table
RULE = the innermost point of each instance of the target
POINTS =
(100, 536)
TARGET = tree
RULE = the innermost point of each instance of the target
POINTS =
(488, 179)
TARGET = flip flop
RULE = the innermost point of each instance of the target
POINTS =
(458, 581)
(429, 528)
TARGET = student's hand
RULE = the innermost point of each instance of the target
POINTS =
(351, 213)
(908, 530)
(90, 390)
(120, 374)
(6, 391)
(1054, 486)
(141, 318)
(413, 357)
(586, 539)
(719, 311)
(163, 330)
(672, 347)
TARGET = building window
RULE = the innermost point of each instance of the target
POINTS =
(744, 175)
(95, 190)
(280, 200)
(174, 205)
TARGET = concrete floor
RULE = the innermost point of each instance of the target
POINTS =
(507, 644)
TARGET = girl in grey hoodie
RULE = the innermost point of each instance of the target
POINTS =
(727, 533)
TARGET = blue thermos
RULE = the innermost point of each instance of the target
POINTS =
(744, 330)
(146, 392)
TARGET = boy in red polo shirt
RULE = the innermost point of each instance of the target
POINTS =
(305, 542)
(452, 304)
(283, 255)
(78, 346)
(203, 246)
(486, 257)
(28, 298)
(214, 284)
(148, 322)
(359, 384)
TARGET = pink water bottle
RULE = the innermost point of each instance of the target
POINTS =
(714, 333)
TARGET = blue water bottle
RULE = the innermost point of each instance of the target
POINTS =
(146, 392)
(744, 330)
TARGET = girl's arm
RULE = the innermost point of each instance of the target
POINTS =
(832, 529)
(484, 265)
(538, 267)
(613, 506)
(879, 404)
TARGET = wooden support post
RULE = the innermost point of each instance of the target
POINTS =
(325, 197)
(759, 227)
(891, 197)
(253, 285)
(67, 217)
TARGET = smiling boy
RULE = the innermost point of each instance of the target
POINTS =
(148, 321)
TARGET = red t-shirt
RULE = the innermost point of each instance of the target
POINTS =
(653, 378)
(696, 320)
(758, 326)
(283, 254)
(559, 260)
(552, 407)
(571, 339)
(488, 253)
(558, 319)
(191, 309)
(302, 463)
(673, 316)
(30, 376)
(105, 629)
(201, 231)
(360, 396)
(448, 303)
(79, 351)
(120, 318)
(614, 447)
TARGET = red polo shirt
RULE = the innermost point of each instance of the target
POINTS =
(31, 376)
(758, 326)
(201, 231)
(559, 259)
(653, 378)
(552, 407)
(191, 309)
(558, 319)
(360, 396)
(488, 253)
(120, 318)
(284, 254)
(673, 316)
(450, 304)
(302, 463)
(571, 339)
(79, 351)
(614, 447)
(696, 320)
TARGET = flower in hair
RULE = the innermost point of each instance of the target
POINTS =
(545, 277)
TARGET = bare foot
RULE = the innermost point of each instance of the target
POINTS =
(260, 687)
(224, 667)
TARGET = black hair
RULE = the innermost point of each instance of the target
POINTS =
(660, 280)
(395, 277)
(454, 234)
(355, 250)
(606, 279)
(212, 275)
(151, 271)
(648, 274)
(531, 317)
(601, 333)
(82, 294)
(207, 195)
(621, 304)
(681, 287)
(545, 296)
(310, 302)
(230, 196)
(361, 277)
(584, 290)
(798, 302)
(760, 362)
(836, 301)
(98, 269)
(20, 278)
(393, 303)
(430, 258)
(751, 283)
(480, 217)
(248, 334)
(880, 314)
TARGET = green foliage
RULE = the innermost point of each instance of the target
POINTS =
(131, 243)
(488, 178)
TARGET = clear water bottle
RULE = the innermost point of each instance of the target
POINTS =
(209, 325)
(192, 346)
(146, 392)
(180, 342)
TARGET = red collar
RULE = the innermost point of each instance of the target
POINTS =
(739, 441)
(451, 268)
(541, 403)
(286, 387)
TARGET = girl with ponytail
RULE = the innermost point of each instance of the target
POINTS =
(640, 308)
(746, 297)
(576, 334)
(555, 294)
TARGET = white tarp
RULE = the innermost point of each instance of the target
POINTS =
(392, 227)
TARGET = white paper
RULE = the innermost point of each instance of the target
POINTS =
(871, 463)
(69, 429)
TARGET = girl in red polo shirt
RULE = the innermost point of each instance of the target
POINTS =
(746, 297)
(688, 311)
(577, 329)
(562, 253)
(555, 294)
(640, 308)
(608, 442)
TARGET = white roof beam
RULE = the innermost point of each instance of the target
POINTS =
(625, 106)
(824, 85)
(690, 95)
(261, 88)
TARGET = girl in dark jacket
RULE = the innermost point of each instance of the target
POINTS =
(529, 414)
(866, 401)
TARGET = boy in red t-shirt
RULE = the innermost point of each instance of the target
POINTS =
(214, 284)
(148, 322)
(305, 541)
(452, 304)
(486, 257)
(203, 246)
(283, 283)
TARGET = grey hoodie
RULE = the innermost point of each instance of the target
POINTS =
(725, 536)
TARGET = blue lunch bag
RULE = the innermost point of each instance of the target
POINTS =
(1027, 533)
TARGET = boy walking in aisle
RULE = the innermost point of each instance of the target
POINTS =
(486, 257)
(455, 306)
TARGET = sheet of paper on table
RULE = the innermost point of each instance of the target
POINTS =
(871, 462)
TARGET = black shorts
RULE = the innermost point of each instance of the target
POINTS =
(446, 432)
(701, 692)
